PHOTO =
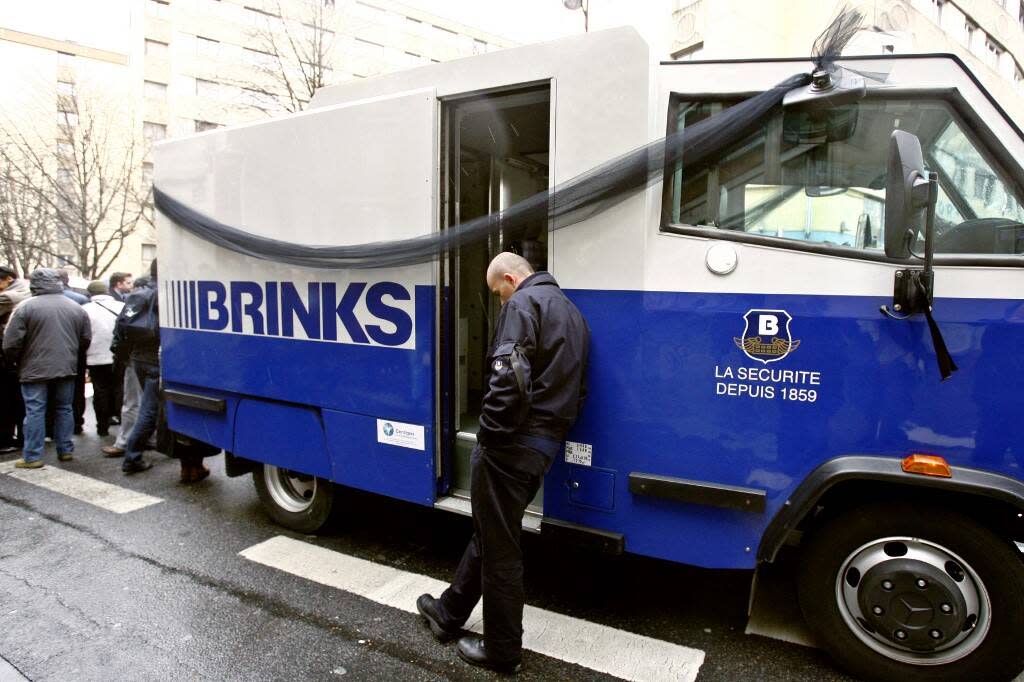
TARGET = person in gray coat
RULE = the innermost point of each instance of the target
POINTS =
(44, 338)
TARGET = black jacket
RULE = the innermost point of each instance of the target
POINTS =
(538, 368)
(124, 348)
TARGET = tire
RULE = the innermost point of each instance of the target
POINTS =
(296, 501)
(964, 623)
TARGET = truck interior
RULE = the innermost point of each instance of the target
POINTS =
(819, 176)
(495, 153)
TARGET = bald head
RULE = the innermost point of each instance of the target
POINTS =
(505, 273)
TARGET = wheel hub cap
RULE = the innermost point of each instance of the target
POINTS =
(913, 603)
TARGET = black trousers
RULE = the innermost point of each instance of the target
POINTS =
(102, 395)
(502, 483)
(79, 402)
(118, 384)
(12, 409)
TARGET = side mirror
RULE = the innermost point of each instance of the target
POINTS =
(910, 195)
(907, 195)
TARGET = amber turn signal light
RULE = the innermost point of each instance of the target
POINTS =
(929, 465)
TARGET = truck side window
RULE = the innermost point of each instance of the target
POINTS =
(819, 176)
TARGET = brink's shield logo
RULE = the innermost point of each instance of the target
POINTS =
(766, 336)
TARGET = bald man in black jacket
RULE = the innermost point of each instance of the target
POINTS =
(536, 389)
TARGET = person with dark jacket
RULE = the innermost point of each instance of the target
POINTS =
(45, 337)
(13, 290)
(536, 388)
(144, 355)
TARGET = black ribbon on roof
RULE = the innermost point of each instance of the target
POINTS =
(566, 204)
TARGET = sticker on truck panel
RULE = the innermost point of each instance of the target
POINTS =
(579, 453)
(402, 435)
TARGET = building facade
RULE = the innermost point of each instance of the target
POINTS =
(178, 67)
(988, 35)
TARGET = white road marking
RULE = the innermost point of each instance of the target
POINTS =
(97, 493)
(598, 647)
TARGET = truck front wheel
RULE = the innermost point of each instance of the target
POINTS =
(910, 592)
(299, 502)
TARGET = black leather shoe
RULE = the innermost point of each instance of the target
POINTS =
(135, 467)
(427, 606)
(473, 651)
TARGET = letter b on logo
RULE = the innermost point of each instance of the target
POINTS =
(767, 325)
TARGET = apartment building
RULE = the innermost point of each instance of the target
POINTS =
(988, 35)
(177, 67)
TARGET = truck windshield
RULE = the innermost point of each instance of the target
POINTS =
(819, 176)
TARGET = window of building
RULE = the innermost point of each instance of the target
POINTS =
(148, 254)
(258, 58)
(970, 30)
(934, 10)
(367, 48)
(67, 118)
(689, 53)
(147, 174)
(154, 89)
(158, 8)
(207, 47)
(155, 48)
(153, 132)
(202, 126)
(205, 88)
(65, 149)
(65, 89)
(808, 179)
(261, 18)
(65, 59)
(993, 51)
(368, 11)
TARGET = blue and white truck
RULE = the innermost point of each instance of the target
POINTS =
(760, 373)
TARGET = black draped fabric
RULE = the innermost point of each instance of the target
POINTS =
(566, 204)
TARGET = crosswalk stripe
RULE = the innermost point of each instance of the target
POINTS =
(598, 647)
(97, 493)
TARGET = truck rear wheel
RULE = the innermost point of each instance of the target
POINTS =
(909, 592)
(299, 502)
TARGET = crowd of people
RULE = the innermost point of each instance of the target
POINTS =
(55, 341)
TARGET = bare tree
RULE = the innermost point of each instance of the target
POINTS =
(80, 191)
(25, 225)
(296, 45)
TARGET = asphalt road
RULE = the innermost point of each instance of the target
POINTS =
(162, 592)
